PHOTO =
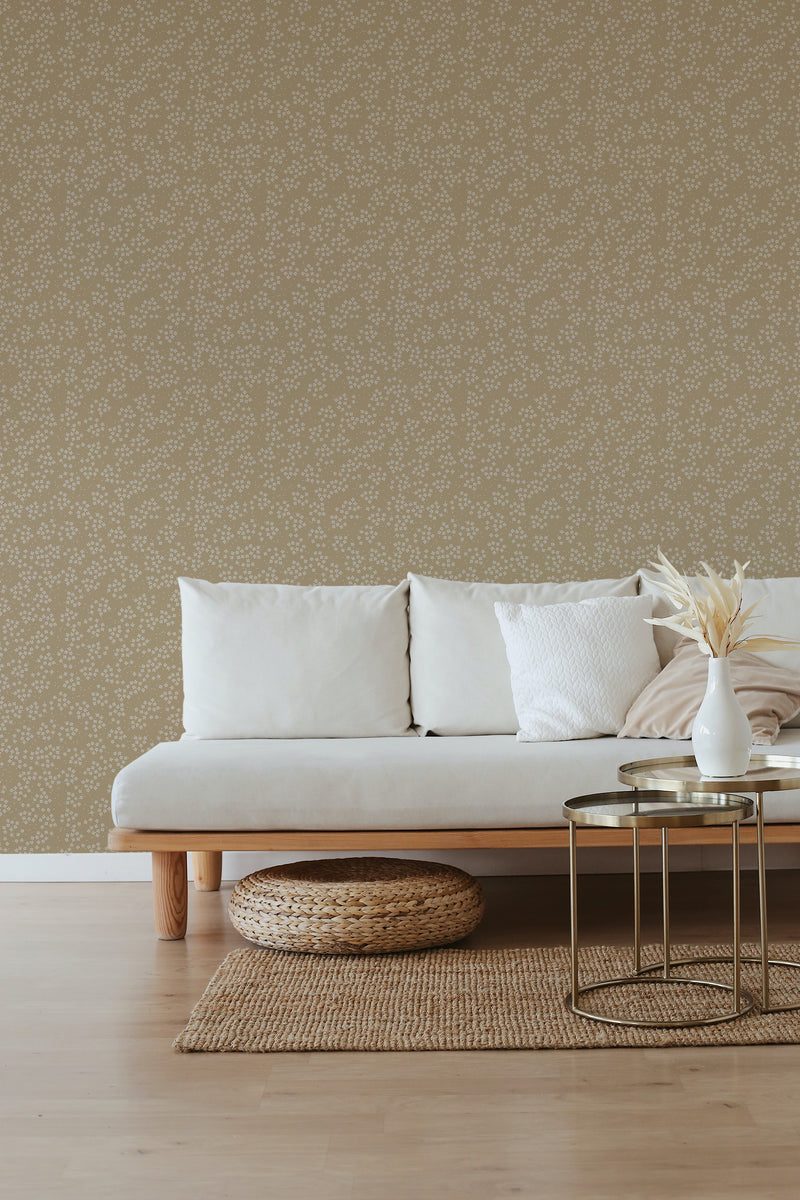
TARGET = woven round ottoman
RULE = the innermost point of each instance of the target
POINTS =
(356, 906)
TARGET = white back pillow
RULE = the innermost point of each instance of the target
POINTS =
(460, 680)
(279, 661)
(777, 614)
(577, 668)
(666, 639)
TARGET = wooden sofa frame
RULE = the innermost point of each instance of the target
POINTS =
(169, 850)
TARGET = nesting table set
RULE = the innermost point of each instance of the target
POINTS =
(669, 793)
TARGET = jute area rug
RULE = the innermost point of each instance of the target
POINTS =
(273, 1000)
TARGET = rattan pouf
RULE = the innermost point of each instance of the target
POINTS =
(356, 906)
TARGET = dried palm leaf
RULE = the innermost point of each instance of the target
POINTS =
(714, 620)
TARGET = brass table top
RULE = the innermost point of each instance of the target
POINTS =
(679, 773)
(657, 810)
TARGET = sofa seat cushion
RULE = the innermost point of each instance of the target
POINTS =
(491, 782)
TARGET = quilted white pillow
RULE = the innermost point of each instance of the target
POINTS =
(279, 661)
(577, 668)
(459, 669)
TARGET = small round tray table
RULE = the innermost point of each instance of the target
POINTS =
(648, 809)
(766, 773)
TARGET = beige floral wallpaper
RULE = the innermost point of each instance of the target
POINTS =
(327, 291)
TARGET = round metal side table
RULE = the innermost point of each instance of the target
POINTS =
(662, 810)
(766, 773)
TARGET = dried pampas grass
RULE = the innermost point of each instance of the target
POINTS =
(715, 620)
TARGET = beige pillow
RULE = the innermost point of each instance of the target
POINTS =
(667, 707)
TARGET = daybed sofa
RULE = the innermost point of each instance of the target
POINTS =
(376, 718)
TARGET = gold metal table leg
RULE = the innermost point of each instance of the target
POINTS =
(767, 962)
(665, 895)
(573, 913)
(737, 918)
(762, 904)
(637, 906)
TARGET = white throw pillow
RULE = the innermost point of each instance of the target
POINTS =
(577, 668)
(280, 661)
(459, 669)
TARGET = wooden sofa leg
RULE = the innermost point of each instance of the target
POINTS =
(207, 870)
(170, 893)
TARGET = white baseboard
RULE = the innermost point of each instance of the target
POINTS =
(73, 868)
(82, 868)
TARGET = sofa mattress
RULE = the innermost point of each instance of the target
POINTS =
(489, 782)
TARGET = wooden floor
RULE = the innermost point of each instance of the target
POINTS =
(96, 1104)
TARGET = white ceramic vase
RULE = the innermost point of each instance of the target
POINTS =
(721, 734)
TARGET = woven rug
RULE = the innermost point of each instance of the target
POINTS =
(273, 1000)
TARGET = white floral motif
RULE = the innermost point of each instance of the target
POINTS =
(324, 292)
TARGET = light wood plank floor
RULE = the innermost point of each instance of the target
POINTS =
(96, 1104)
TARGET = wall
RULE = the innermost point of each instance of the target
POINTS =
(327, 291)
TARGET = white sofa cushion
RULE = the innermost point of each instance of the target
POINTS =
(382, 783)
(281, 661)
(778, 614)
(666, 640)
(577, 668)
(460, 680)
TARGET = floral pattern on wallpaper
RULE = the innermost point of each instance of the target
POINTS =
(329, 291)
